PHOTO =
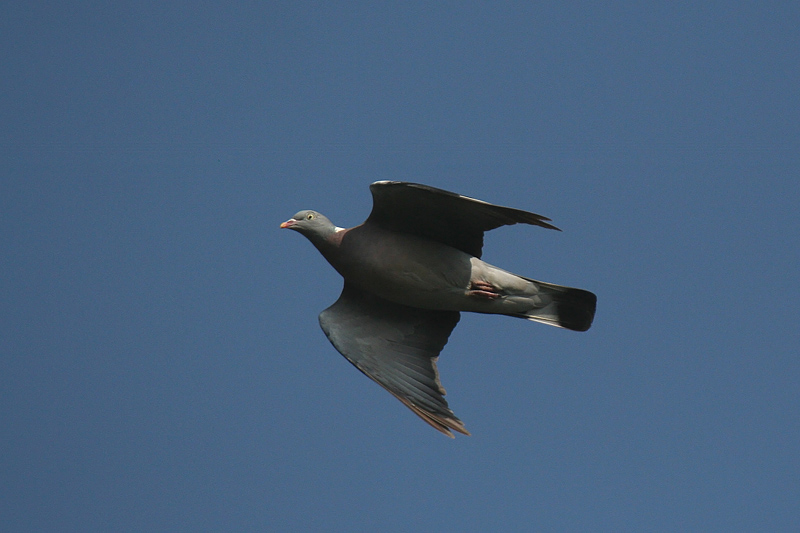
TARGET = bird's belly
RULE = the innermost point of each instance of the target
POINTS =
(442, 282)
(428, 292)
(409, 271)
(436, 287)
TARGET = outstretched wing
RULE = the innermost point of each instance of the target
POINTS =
(443, 216)
(397, 347)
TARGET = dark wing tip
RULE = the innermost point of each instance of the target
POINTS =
(438, 422)
(441, 419)
(534, 219)
(501, 215)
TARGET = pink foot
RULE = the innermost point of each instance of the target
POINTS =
(482, 289)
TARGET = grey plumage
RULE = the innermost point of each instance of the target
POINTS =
(409, 270)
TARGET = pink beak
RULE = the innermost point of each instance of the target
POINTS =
(289, 223)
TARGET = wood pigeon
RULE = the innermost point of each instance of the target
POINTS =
(409, 270)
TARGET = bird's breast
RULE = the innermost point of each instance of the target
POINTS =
(404, 269)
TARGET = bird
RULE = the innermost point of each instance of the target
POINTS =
(409, 271)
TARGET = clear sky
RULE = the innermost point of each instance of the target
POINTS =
(161, 364)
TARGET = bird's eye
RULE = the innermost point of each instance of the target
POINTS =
(310, 216)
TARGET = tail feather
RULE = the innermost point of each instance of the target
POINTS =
(570, 308)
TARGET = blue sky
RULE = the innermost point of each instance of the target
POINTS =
(161, 363)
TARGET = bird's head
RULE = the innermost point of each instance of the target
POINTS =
(313, 225)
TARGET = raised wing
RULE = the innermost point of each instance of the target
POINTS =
(397, 347)
(443, 216)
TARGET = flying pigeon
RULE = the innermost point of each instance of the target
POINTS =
(409, 270)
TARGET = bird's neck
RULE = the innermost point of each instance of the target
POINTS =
(328, 244)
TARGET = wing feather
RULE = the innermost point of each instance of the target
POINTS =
(397, 347)
(444, 216)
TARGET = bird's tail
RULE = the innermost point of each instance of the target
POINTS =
(569, 308)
